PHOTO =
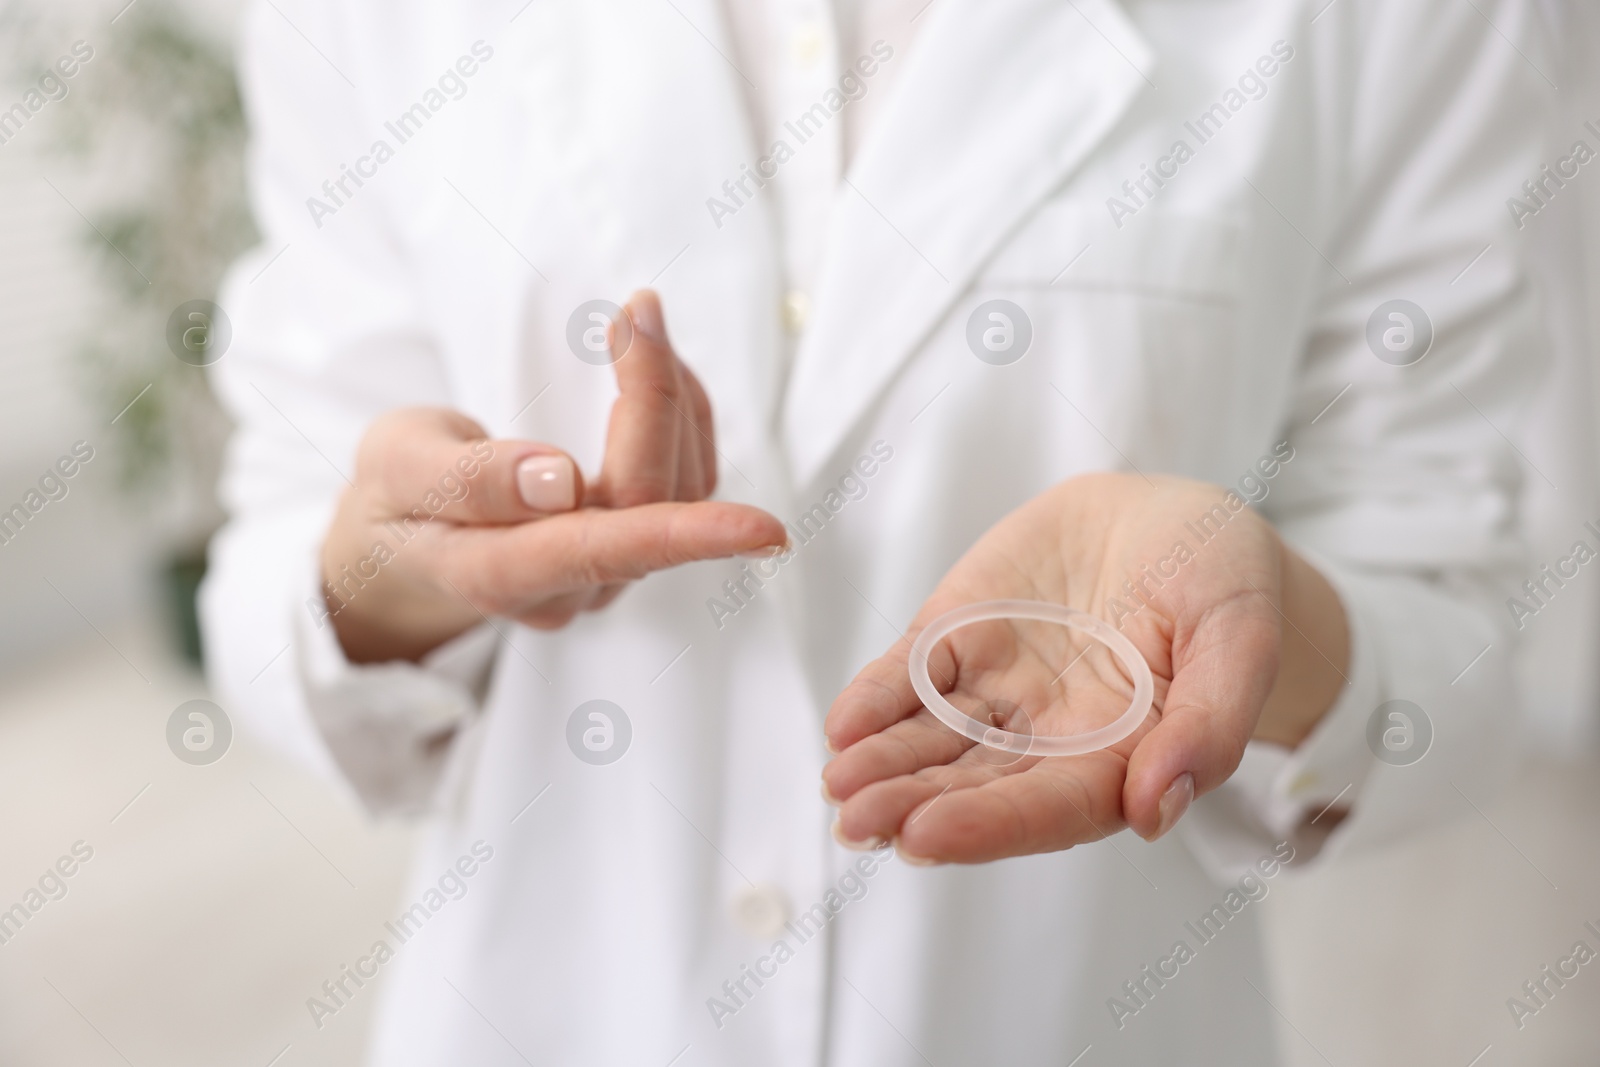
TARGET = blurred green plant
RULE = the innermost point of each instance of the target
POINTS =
(159, 108)
(155, 130)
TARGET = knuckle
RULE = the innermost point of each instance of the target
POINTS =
(636, 492)
(663, 411)
(548, 619)
(472, 583)
(586, 568)
(460, 581)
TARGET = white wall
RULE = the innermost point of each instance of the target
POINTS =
(96, 548)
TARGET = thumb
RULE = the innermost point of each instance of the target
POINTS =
(1220, 682)
(430, 463)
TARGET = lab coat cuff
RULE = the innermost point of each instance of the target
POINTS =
(389, 725)
(1279, 795)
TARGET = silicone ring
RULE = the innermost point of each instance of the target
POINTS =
(1024, 744)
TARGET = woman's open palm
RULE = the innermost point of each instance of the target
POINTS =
(1204, 614)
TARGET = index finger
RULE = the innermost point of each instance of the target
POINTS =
(881, 695)
(504, 570)
(1061, 803)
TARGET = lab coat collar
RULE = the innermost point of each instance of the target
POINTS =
(999, 101)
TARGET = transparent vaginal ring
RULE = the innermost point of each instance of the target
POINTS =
(1026, 744)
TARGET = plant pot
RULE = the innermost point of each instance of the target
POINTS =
(180, 579)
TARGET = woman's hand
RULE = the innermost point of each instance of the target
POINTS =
(526, 538)
(1244, 639)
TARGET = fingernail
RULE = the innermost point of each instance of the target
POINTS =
(1174, 802)
(548, 483)
(915, 861)
(827, 743)
(827, 794)
(868, 845)
(768, 552)
(646, 316)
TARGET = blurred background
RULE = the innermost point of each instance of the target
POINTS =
(218, 897)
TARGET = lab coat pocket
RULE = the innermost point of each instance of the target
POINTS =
(1135, 327)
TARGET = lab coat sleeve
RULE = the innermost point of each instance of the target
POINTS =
(326, 336)
(1404, 482)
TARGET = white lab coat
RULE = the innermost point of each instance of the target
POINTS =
(1225, 315)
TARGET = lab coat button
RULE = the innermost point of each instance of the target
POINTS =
(760, 910)
(438, 714)
(806, 45)
(796, 310)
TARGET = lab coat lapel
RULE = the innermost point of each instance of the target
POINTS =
(725, 264)
(652, 127)
(999, 101)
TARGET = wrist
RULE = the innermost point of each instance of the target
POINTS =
(1314, 657)
(378, 610)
